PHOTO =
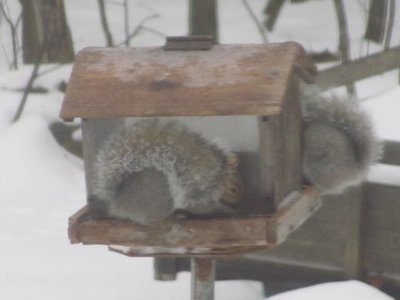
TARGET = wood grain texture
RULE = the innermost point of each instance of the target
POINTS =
(280, 149)
(178, 236)
(355, 235)
(293, 212)
(227, 80)
(325, 239)
(194, 237)
(381, 233)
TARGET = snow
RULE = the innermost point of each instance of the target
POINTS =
(349, 290)
(383, 110)
(41, 185)
(385, 174)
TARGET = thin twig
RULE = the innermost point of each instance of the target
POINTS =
(138, 28)
(49, 70)
(104, 23)
(13, 30)
(253, 16)
(6, 56)
(152, 30)
(28, 89)
(126, 22)
(35, 70)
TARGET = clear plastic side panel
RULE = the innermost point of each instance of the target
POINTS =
(232, 134)
(95, 132)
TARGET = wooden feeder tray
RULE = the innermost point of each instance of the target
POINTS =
(197, 237)
(190, 77)
(225, 80)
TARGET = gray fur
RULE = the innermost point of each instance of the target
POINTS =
(339, 142)
(149, 169)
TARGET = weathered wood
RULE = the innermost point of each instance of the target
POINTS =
(73, 230)
(165, 268)
(292, 213)
(382, 238)
(188, 43)
(280, 149)
(359, 69)
(195, 237)
(203, 18)
(190, 236)
(355, 234)
(163, 252)
(203, 276)
(322, 249)
(321, 240)
(227, 80)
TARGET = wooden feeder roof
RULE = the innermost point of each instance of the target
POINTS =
(226, 80)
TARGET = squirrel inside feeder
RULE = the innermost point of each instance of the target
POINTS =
(150, 170)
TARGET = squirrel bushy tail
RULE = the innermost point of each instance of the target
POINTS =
(339, 141)
(163, 167)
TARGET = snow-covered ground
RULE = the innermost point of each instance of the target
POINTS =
(41, 185)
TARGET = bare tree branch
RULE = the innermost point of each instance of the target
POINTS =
(9, 63)
(126, 22)
(14, 32)
(344, 40)
(156, 32)
(36, 67)
(138, 28)
(104, 23)
(272, 12)
(253, 16)
(390, 24)
(51, 69)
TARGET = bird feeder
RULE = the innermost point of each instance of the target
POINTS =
(247, 94)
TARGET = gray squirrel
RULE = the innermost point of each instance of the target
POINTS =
(151, 169)
(165, 162)
(339, 142)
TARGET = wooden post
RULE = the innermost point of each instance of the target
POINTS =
(355, 233)
(203, 18)
(280, 149)
(203, 276)
(165, 268)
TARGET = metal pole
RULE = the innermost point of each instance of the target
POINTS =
(203, 277)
